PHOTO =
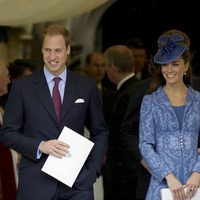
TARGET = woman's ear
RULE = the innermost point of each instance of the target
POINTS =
(187, 66)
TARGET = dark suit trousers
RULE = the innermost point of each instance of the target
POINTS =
(66, 193)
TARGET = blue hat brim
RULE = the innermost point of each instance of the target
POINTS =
(162, 57)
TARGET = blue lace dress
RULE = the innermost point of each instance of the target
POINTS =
(169, 138)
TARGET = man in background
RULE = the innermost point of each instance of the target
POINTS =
(139, 52)
(120, 174)
(129, 133)
(95, 67)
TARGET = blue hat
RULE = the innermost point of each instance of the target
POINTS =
(172, 47)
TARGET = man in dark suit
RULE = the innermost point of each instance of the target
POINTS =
(120, 175)
(32, 124)
(95, 67)
(129, 133)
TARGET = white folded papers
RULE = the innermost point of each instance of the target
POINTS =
(66, 169)
(166, 194)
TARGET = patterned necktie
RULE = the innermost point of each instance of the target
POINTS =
(56, 98)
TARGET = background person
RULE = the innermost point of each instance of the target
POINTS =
(139, 52)
(120, 174)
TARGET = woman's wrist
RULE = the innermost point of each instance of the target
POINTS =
(169, 176)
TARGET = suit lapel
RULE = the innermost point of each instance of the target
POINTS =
(42, 90)
(70, 93)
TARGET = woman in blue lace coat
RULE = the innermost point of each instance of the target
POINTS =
(170, 121)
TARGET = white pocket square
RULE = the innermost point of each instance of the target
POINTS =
(79, 101)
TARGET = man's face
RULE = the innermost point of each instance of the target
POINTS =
(97, 67)
(55, 53)
(4, 78)
(139, 55)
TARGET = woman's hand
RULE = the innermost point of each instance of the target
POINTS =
(176, 187)
(192, 184)
(144, 164)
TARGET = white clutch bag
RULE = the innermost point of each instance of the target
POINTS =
(166, 194)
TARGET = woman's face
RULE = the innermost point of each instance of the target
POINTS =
(173, 72)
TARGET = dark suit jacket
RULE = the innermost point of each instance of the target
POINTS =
(130, 134)
(196, 82)
(107, 98)
(118, 163)
(30, 118)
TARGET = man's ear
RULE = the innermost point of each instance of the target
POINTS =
(115, 69)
